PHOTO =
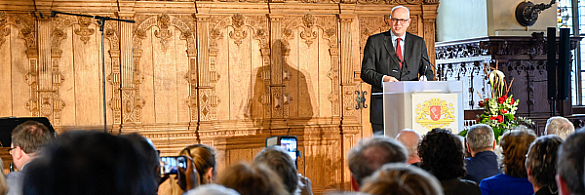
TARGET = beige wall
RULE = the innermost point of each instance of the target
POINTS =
(463, 19)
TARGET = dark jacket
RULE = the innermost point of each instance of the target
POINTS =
(380, 59)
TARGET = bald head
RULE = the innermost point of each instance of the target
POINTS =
(410, 139)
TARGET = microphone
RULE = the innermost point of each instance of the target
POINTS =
(53, 13)
(426, 67)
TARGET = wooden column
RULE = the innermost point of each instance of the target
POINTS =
(130, 73)
(193, 79)
(429, 16)
(276, 73)
(45, 70)
(347, 77)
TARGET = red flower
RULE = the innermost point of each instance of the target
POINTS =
(493, 118)
(501, 100)
(505, 96)
(503, 111)
(487, 99)
(477, 120)
(511, 100)
(500, 118)
(480, 103)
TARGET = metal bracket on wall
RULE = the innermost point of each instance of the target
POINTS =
(361, 99)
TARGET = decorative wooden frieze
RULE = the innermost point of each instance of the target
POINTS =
(4, 27)
(347, 81)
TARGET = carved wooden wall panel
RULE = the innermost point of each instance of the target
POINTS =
(226, 74)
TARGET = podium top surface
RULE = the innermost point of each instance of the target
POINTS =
(422, 87)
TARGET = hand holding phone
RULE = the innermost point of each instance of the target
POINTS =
(171, 164)
(187, 177)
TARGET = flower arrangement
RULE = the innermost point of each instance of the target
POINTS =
(499, 108)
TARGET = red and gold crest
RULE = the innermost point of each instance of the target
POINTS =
(435, 113)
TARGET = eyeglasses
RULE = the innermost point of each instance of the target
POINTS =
(10, 150)
(400, 20)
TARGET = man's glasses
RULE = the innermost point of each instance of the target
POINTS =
(399, 20)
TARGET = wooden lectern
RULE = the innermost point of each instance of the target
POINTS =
(422, 106)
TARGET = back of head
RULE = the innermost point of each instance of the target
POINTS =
(251, 180)
(515, 144)
(371, 153)
(560, 126)
(570, 164)
(203, 158)
(542, 160)
(410, 139)
(145, 146)
(401, 179)
(212, 189)
(441, 154)
(480, 137)
(30, 136)
(90, 163)
(277, 159)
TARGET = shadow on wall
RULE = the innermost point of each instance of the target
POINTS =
(279, 93)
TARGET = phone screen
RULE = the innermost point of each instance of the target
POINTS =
(290, 145)
(171, 164)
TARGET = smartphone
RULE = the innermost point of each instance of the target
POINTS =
(289, 143)
(171, 164)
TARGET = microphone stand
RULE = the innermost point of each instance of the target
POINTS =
(426, 67)
(101, 21)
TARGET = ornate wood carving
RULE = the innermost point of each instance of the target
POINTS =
(114, 78)
(84, 31)
(520, 58)
(348, 82)
(4, 27)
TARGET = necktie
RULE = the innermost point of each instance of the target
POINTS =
(399, 51)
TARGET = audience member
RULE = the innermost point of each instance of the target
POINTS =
(204, 159)
(277, 159)
(442, 155)
(3, 185)
(570, 165)
(514, 180)
(401, 179)
(410, 139)
(212, 189)
(27, 140)
(147, 148)
(558, 125)
(370, 154)
(483, 162)
(541, 164)
(90, 163)
(249, 179)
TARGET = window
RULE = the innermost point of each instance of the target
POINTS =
(567, 17)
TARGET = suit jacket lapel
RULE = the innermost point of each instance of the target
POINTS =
(390, 48)
(409, 54)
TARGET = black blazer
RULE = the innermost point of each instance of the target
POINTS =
(380, 59)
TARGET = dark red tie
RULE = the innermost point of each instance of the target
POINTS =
(399, 51)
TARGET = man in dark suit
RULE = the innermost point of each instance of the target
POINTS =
(393, 56)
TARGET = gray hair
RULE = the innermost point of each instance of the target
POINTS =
(212, 189)
(560, 126)
(479, 137)
(371, 153)
(398, 7)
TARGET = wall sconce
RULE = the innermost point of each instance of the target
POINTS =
(527, 12)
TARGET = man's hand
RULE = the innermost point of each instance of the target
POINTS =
(390, 79)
